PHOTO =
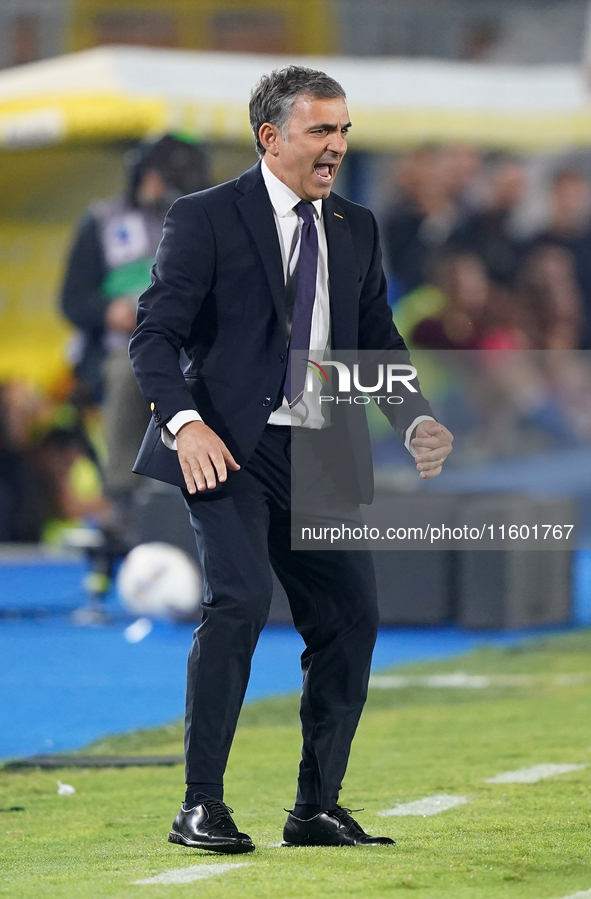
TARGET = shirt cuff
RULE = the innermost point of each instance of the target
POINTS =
(412, 450)
(172, 427)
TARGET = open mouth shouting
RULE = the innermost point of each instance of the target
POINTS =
(325, 172)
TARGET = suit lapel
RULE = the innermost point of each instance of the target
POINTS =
(257, 212)
(343, 277)
(255, 207)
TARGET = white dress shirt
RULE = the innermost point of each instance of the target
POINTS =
(307, 412)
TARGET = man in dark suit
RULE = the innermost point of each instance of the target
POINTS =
(246, 273)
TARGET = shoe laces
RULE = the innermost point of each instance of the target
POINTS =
(344, 814)
(217, 810)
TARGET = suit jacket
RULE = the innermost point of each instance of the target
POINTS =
(218, 292)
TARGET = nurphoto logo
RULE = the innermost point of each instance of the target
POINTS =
(386, 377)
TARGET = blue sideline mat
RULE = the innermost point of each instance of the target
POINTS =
(63, 686)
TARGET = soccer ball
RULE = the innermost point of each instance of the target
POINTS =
(157, 580)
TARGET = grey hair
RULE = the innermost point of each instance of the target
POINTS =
(273, 97)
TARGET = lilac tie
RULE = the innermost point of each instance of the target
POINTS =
(303, 305)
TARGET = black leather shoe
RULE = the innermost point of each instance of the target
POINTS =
(209, 826)
(333, 828)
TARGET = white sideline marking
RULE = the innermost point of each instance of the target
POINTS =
(532, 775)
(188, 875)
(431, 805)
(584, 894)
(460, 680)
(65, 789)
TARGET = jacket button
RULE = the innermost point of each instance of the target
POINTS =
(267, 401)
(281, 357)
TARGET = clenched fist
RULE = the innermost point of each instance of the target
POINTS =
(433, 442)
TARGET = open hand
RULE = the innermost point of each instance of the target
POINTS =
(433, 442)
(203, 455)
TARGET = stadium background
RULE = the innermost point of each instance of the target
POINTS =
(80, 83)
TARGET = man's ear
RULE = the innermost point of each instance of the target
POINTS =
(269, 136)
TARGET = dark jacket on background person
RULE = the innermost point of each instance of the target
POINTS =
(488, 235)
(112, 253)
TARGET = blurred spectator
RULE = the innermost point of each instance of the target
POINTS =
(570, 208)
(489, 233)
(471, 313)
(108, 269)
(547, 394)
(542, 313)
(464, 288)
(432, 184)
(551, 300)
(570, 227)
(48, 474)
(485, 287)
(69, 482)
(461, 165)
(21, 515)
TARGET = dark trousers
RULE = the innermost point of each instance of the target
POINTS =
(333, 601)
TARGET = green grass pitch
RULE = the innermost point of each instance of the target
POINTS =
(527, 841)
